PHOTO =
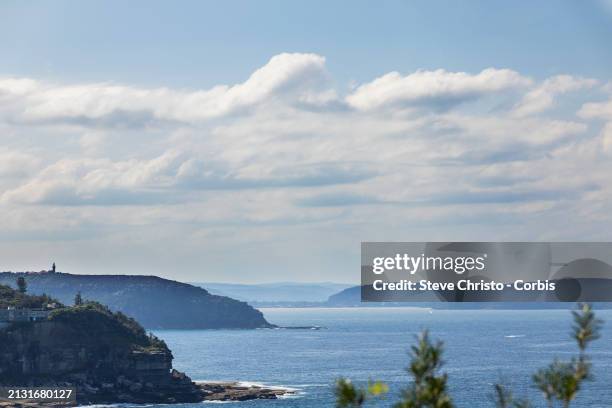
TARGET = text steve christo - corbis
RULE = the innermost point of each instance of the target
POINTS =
(458, 265)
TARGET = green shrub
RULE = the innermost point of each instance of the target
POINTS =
(559, 382)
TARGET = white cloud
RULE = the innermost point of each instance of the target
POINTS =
(12, 87)
(606, 138)
(543, 96)
(75, 181)
(596, 110)
(600, 111)
(433, 88)
(106, 103)
(167, 179)
(17, 164)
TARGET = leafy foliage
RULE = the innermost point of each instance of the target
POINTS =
(347, 395)
(504, 399)
(9, 297)
(350, 396)
(558, 382)
(561, 381)
(429, 386)
(22, 285)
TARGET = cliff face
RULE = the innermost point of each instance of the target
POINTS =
(155, 302)
(107, 357)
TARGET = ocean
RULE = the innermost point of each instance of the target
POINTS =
(482, 347)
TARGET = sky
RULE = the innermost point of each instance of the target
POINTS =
(263, 141)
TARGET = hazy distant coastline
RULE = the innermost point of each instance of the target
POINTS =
(310, 295)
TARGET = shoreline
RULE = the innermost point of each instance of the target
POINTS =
(212, 391)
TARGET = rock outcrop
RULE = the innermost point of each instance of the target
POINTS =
(236, 391)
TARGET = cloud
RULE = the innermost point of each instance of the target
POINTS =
(543, 96)
(596, 110)
(74, 181)
(339, 199)
(17, 164)
(237, 163)
(163, 180)
(436, 89)
(476, 197)
(105, 104)
(600, 111)
(606, 138)
(504, 197)
(299, 80)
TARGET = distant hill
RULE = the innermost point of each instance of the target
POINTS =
(155, 302)
(284, 292)
(347, 297)
(351, 297)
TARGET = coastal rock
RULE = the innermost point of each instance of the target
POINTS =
(236, 391)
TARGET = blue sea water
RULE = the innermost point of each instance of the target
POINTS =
(482, 347)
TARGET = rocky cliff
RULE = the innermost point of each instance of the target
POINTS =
(155, 302)
(107, 356)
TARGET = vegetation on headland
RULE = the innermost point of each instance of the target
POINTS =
(89, 318)
(93, 317)
(10, 297)
(559, 382)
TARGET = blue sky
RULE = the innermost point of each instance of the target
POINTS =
(201, 43)
(263, 141)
